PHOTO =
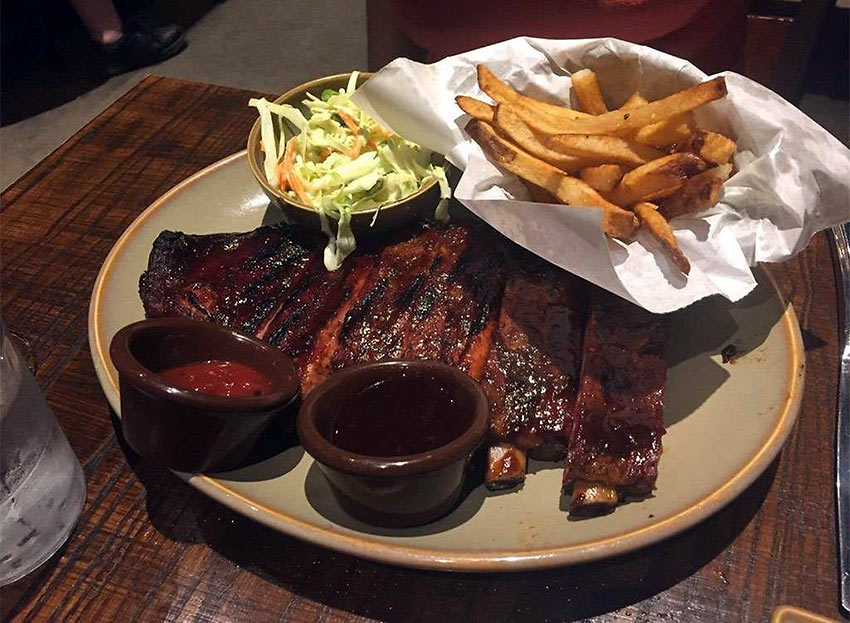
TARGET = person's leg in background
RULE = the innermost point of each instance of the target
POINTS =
(127, 46)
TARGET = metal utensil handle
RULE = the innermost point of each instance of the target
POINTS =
(841, 237)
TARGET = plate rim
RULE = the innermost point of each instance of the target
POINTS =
(497, 560)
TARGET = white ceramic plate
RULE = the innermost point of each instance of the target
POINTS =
(725, 422)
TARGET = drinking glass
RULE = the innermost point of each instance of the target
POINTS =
(42, 488)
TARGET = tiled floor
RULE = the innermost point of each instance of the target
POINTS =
(266, 45)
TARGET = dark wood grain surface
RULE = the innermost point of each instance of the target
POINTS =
(150, 548)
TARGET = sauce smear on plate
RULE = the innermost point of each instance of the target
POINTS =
(402, 415)
(222, 378)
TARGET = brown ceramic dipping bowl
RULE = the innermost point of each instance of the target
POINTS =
(398, 491)
(186, 430)
(393, 215)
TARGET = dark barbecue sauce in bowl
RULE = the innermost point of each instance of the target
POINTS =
(402, 415)
(218, 377)
(394, 438)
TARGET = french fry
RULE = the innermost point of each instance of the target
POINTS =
(671, 131)
(505, 94)
(508, 123)
(697, 194)
(620, 121)
(656, 179)
(475, 108)
(587, 91)
(709, 146)
(539, 195)
(603, 149)
(676, 129)
(660, 230)
(602, 178)
(541, 143)
(616, 222)
(635, 100)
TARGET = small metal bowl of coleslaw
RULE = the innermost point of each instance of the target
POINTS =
(328, 166)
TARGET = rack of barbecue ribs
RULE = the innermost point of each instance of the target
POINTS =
(422, 293)
(461, 294)
(615, 441)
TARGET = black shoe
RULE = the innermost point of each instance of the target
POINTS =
(139, 47)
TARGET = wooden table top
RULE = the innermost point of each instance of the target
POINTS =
(150, 548)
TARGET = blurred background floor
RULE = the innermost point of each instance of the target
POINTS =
(50, 88)
(264, 45)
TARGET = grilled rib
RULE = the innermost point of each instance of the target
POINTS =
(236, 280)
(317, 363)
(615, 444)
(375, 325)
(430, 310)
(531, 373)
(297, 327)
(433, 296)
(468, 298)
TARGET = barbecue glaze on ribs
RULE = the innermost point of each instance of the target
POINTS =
(615, 442)
(459, 294)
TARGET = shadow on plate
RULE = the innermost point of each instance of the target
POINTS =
(277, 453)
(272, 215)
(321, 498)
(700, 332)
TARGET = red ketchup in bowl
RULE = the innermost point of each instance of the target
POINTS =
(222, 378)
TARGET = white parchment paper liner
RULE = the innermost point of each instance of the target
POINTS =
(792, 177)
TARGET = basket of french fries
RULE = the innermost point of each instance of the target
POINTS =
(622, 164)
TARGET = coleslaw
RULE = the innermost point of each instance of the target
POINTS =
(340, 161)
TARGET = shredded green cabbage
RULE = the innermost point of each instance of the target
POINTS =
(341, 162)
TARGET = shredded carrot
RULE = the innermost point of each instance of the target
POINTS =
(294, 182)
(355, 151)
(285, 166)
(349, 122)
(298, 188)
(282, 180)
(377, 133)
